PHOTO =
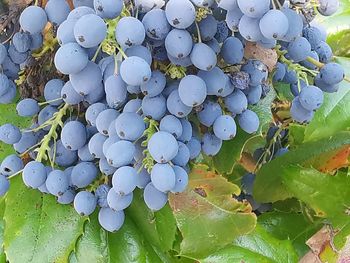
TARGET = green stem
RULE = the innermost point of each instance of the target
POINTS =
(321, 65)
(198, 32)
(121, 51)
(315, 62)
(13, 175)
(299, 69)
(115, 65)
(97, 52)
(49, 47)
(49, 101)
(47, 138)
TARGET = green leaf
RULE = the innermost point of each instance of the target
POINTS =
(328, 196)
(263, 110)
(9, 115)
(290, 226)
(287, 206)
(236, 254)
(38, 229)
(231, 150)
(126, 245)
(283, 91)
(269, 185)
(145, 237)
(262, 243)
(159, 228)
(2, 228)
(207, 215)
(296, 134)
(340, 43)
(334, 115)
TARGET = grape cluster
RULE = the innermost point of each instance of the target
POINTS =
(149, 86)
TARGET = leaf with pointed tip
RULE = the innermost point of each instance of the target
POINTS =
(290, 226)
(262, 243)
(269, 186)
(328, 196)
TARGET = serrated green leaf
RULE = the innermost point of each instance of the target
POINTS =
(207, 215)
(269, 185)
(231, 150)
(37, 228)
(126, 245)
(328, 196)
(334, 115)
(262, 243)
(290, 226)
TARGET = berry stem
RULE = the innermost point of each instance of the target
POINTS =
(321, 65)
(121, 51)
(273, 4)
(315, 62)
(13, 175)
(49, 101)
(198, 32)
(57, 121)
(50, 46)
(115, 64)
(97, 52)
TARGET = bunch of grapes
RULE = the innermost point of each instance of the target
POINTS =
(148, 86)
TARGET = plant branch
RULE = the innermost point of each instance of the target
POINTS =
(57, 121)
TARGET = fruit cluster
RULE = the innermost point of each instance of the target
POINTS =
(149, 85)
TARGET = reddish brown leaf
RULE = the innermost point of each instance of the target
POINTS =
(310, 258)
(330, 162)
(321, 245)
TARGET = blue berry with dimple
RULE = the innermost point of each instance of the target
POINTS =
(34, 174)
(163, 177)
(85, 203)
(57, 182)
(27, 107)
(9, 134)
(163, 147)
(124, 180)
